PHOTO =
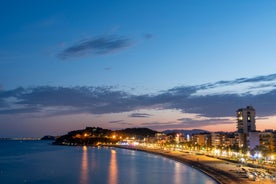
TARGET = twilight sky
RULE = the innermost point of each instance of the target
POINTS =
(185, 64)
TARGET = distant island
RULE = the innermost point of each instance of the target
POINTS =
(48, 138)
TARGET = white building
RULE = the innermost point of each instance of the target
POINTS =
(253, 140)
(246, 120)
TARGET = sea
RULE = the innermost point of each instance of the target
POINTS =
(40, 162)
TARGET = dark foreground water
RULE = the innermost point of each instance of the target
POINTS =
(39, 162)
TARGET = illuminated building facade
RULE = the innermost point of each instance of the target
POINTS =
(246, 120)
(245, 124)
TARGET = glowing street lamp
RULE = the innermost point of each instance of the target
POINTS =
(217, 152)
(242, 160)
(260, 155)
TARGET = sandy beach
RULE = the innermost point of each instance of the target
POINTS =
(222, 171)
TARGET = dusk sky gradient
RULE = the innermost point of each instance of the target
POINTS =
(187, 64)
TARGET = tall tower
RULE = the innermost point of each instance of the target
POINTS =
(246, 120)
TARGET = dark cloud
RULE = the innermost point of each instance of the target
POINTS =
(166, 125)
(96, 46)
(188, 122)
(121, 122)
(100, 100)
(139, 115)
(184, 119)
(265, 78)
(12, 93)
(148, 36)
(116, 121)
(107, 68)
(125, 123)
(20, 110)
(258, 78)
(97, 100)
(222, 105)
(156, 123)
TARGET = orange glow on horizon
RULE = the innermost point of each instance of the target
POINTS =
(267, 123)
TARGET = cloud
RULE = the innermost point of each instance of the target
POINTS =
(19, 110)
(155, 123)
(188, 122)
(121, 122)
(102, 100)
(116, 121)
(164, 125)
(107, 68)
(241, 86)
(139, 115)
(148, 36)
(94, 100)
(96, 46)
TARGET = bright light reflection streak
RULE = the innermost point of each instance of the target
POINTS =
(84, 166)
(113, 168)
(177, 173)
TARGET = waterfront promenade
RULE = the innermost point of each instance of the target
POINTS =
(224, 172)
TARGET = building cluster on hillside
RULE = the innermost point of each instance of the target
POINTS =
(246, 139)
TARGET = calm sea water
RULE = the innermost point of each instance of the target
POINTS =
(39, 162)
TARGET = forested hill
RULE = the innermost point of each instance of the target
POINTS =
(96, 135)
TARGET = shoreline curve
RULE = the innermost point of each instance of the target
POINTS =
(222, 172)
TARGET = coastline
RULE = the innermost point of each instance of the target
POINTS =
(223, 172)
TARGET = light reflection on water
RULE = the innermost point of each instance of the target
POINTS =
(84, 166)
(177, 171)
(113, 168)
(42, 163)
